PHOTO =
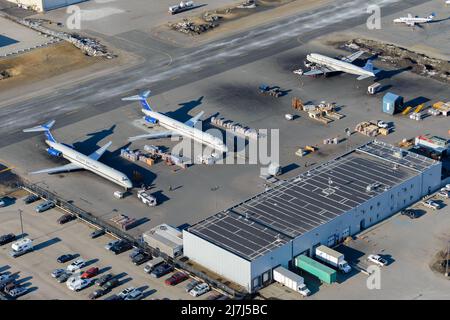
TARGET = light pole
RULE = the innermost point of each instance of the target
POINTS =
(21, 222)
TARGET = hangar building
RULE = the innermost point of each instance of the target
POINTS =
(322, 206)
(45, 5)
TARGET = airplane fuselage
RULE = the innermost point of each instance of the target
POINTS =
(187, 131)
(338, 65)
(89, 164)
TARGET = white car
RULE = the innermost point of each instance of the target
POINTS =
(77, 283)
(447, 187)
(431, 204)
(199, 289)
(126, 292)
(76, 265)
(375, 258)
(382, 124)
(444, 194)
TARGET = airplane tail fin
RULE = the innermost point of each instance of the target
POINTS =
(369, 67)
(142, 98)
(432, 16)
(43, 128)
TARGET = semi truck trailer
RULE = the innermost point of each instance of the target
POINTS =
(324, 273)
(290, 280)
(333, 258)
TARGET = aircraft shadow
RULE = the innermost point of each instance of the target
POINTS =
(182, 114)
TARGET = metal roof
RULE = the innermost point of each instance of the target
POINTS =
(309, 200)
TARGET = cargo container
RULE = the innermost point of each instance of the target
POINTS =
(374, 88)
(392, 103)
(333, 258)
(324, 273)
(291, 280)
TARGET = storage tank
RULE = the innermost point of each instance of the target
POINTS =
(392, 103)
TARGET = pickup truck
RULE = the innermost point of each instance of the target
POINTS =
(146, 198)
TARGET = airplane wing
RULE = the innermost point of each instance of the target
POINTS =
(191, 122)
(97, 154)
(313, 72)
(362, 77)
(65, 168)
(353, 56)
(158, 135)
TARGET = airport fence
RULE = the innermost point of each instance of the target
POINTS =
(120, 234)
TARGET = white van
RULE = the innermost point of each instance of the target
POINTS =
(21, 247)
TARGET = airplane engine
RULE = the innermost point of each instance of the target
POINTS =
(54, 152)
(150, 120)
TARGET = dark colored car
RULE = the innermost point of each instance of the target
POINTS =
(31, 198)
(65, 258)
(141, 258)
(7, 238)
(122, 246)
(66, 218)
(110, 284)
(100, 281)
(176, 278)
(409, 213)
(97, 233)
(64, 277)
(90, 273)
(135, 252)
(114, 297)
(161, 270)
(191, 285)
(97, 294)
(215, 296)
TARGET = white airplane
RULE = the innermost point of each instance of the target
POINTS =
(323, 65)
(79, 160)
(412, 21)
(176, 128)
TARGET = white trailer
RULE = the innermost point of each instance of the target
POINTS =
(290, 280)
(21, 247)
(333, 258)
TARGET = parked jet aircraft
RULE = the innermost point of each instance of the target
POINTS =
(412, 21)
(175, 127)
(79, 160)
(323, 65)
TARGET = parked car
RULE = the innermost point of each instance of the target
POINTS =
(17, 291)
(215, 296)
(2, 203)
(47, 205)
(122, 246)
(66, 218)
(89, 273)
(31, 198)
(64, 277)
(191, 285)
(135, 252)
(136, 294)
(124, 293)
(111, 244)
(65, 258)
(76, 265)
(97, 233)
(161, 270)
(7, 238)
(377, 259)
(114, 282)
(141, 258)
(382, 124)
(57, 272)
(409, 213)
(104, 279)
(78, 284)
(199, 289)
(444, 194)
(176, 278)
(113, 297)
(431, 204)
(97, 294)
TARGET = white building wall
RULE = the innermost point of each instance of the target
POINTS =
(45, 5)
(37, 5)
(218, 260)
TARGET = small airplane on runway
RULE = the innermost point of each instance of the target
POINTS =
(79, 160)
(321, 65)
(186, 129)
(412, 21)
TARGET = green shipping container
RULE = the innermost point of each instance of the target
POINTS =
(324, 273)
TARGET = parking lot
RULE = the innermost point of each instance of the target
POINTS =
(52, 240)
(408, 245)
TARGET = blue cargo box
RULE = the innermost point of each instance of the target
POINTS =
(392, 103)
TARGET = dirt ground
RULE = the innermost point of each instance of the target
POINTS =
(43, 63)
(237, 20)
